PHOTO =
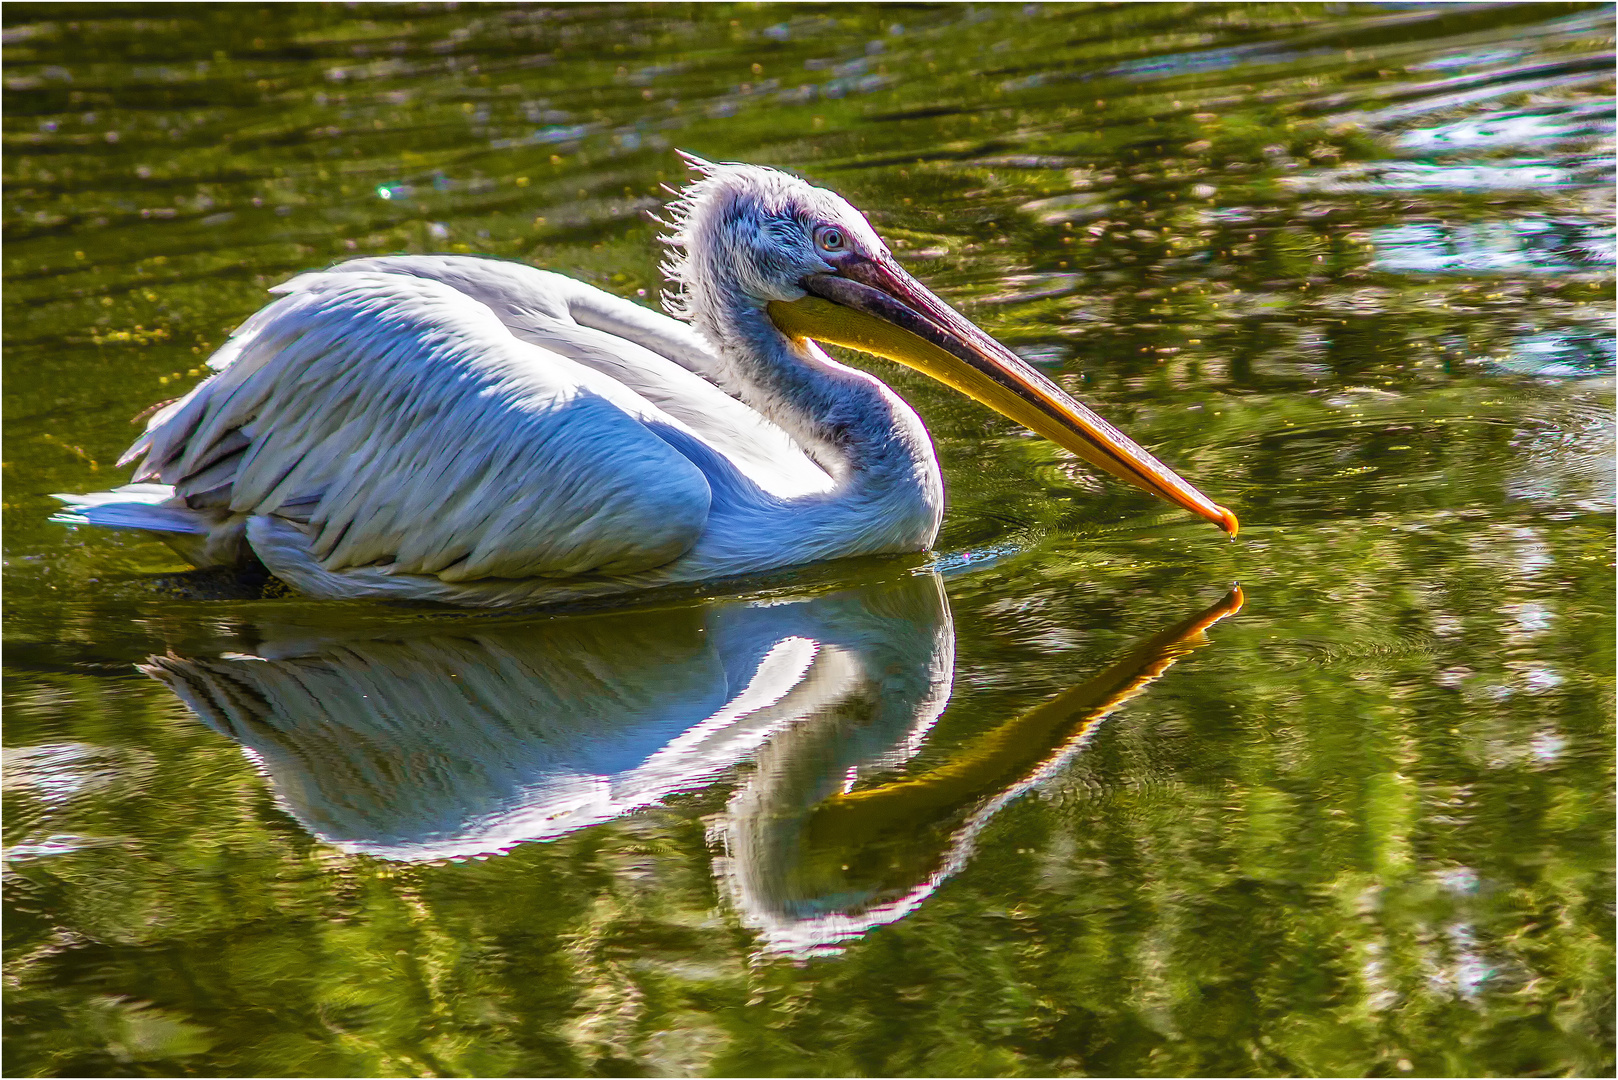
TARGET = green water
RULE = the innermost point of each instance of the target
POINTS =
(1019, 807)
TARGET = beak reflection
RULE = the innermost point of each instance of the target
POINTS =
(875, 306)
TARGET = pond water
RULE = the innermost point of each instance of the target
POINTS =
(1055, 799)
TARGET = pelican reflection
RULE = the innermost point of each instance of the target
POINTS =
(438, 742)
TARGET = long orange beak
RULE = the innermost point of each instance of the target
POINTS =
(875, 306)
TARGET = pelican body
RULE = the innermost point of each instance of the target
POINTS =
(484, 433)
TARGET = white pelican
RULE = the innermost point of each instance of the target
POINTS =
(485, 433)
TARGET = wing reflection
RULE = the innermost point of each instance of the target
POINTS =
(463, 741)
(438, 742)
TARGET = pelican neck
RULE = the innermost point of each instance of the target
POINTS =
(848, 421)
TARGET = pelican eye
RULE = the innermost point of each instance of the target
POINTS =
(831, 238)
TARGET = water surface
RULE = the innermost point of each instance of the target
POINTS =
(1054, 800)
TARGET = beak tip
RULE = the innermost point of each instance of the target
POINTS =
(1227, 521)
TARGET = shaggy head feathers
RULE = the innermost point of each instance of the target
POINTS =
(743, 235)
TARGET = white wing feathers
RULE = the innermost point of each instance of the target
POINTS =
(407, 425)
(661, 359)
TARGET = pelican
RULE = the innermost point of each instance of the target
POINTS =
(485, 433)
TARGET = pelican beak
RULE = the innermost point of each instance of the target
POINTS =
(874, 306)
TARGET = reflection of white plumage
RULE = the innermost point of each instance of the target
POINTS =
(430, 740)
(435, 742)
(486, 433)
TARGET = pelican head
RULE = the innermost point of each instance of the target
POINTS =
(745, 237)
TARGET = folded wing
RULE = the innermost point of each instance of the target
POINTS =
(404, 425)
(661, 359)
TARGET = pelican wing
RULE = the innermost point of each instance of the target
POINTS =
(404, 425)
(661, 359)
